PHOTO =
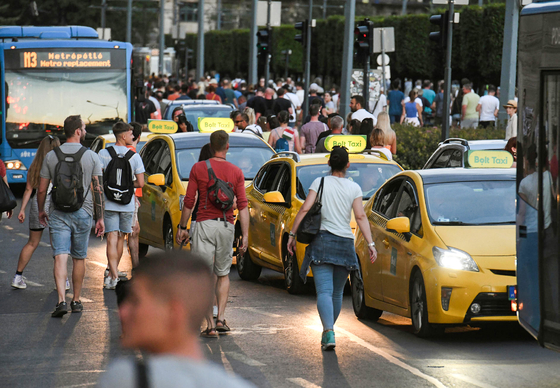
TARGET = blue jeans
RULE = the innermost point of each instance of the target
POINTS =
(395, 118)
(70, 233)
(329, 284)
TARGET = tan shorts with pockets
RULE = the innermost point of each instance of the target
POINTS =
(213, 242)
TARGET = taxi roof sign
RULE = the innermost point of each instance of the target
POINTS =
(211, 124)
(490, 159)
(162, 126)
(353, 143)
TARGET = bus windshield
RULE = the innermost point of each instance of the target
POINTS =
(37, 103)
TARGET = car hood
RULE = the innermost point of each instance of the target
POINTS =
(491, 240)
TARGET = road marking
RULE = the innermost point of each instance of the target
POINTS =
(2, 271)
(8, 227)
(254, 310)
(225, 361)
(244, 359)
(79, 385)
(385, 355)
(261, 329)
(43, 244)
(302, 382)
(469, 380)
(22, 235)
(98, 263)
(82, 299)
(33, 283)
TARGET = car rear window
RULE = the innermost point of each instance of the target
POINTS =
(204, 111)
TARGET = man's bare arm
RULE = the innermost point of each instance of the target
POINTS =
(98, 196)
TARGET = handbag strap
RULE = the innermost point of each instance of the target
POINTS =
(141, 374)
(320, 191)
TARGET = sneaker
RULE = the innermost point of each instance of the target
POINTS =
(106, 281)
(19, 282)
(67, 284)
(327, 340)
(112, 284)
(215, 311)
(76, 307)
(60, 310)
(121, 274)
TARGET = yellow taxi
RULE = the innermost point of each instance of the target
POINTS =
(168, 160)
(276, 195)
(446, 249)
(103, 141)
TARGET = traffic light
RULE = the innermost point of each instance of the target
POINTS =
(440, 36)
(263, 40)
(302, 37)
(364, 40)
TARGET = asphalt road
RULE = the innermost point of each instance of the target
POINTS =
(274, 340)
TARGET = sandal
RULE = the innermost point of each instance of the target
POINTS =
(210, 333)
(222, 326)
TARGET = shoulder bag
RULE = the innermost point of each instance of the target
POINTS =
(311, 223)
(7, 198)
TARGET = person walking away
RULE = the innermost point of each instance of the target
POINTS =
(35, 227)
(395, 100)
(380, 105)
(412, 111)
(4, 177)
(456, 107)
(161, 315)
(258, 104)
(469, 115)
(283, 136)
(296, 105)
(133, 238)
(282, 103)
(336, 129)
(310, 131)
(211, 94)
(120, 166)
(383, 123)
(71, 208)
(429, 95)
(214, 232)
(229, 93)
(511, 128)
(357, 105)
(437, 105)
(331, 255)
(377, 142)
(145, 109)
(488, 108)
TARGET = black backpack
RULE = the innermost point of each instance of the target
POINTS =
(220, 193)
(68, 183)
(117, 178)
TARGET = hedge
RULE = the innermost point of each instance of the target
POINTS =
(477, 47)
(415, 145)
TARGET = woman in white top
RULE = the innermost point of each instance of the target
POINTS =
(331, 255)
(384, 123)
(285, 132)
(329, 104)
(377, 143)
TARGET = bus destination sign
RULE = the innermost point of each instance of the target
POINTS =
(64, 58)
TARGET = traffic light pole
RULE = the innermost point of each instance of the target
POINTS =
(447, 74)
(307, 71)
(366, 82)
(268, 29)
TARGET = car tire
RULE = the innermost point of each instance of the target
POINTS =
(358, 299)
(246, 269)
(419, 308)
(142, 250)
(168, 236)
(292, 280)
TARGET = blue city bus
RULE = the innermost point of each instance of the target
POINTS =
(538, 180)
(49, 73)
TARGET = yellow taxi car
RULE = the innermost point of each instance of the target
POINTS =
(446, 249)
(103, 141)
(168, 160)
(275, 197)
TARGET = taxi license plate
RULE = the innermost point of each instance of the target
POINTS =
(512, 292)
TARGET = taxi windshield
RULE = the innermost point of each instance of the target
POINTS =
(248, 159)
(471, 203)
(370, 176)
(193, 113)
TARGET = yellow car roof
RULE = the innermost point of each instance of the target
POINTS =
(312, 159)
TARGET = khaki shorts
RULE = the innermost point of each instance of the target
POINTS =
(213, 242)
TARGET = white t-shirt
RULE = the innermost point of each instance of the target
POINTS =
(137, 168)
(380, 105)
(251, 129)
(362, 114)
(417, 100)
(294, 99)
(384, 151)
(488, 105)
(337, 199)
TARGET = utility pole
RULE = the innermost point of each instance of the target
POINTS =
(161, 34)
(347, 56)
(307, 74)
(129, 22)
(219, 21)
(200, 45)
(269, 30)
(253, 76)
(447, 73)
(384, 84)
(404, 2)
(103, 12)
(324, 9)
(509, 56)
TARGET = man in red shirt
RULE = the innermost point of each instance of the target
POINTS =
(213, 236)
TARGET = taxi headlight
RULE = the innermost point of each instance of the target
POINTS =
(454, 259)
(181, 199)
(14, 165)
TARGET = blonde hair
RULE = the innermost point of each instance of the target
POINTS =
(34, 173)
(384, 123)
(377, 138)
(250, 112)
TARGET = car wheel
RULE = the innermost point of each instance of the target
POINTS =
(142, 250)
(358, 300)
(419, 308)
(292, 280)
(246, 269)
(168, 236)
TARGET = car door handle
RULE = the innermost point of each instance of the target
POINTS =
(386, 243)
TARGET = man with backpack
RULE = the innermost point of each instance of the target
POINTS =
(73, 170)
(120, 166)
(217, 183)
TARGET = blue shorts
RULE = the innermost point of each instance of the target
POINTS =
(70, 232)
(118, 221)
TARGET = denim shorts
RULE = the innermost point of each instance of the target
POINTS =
(118, 221)
(70, 232)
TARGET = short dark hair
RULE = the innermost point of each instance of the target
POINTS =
(338, 159)
(71, 124)
(280, 92)
(205, 152)
(121, 127)
(314, 109)
(136, 130)
(359, 100)
(427, 83)
(283, 117)
(219, 140)
(396, 84)
(491, 88)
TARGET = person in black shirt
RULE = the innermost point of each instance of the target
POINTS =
(258, 103)
(144, 110)
(281, 103)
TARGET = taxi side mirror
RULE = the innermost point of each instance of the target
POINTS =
(157, 179)
(274, 197)
(398, 225)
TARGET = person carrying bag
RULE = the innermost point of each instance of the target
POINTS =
(7, 198)
(324, 222)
